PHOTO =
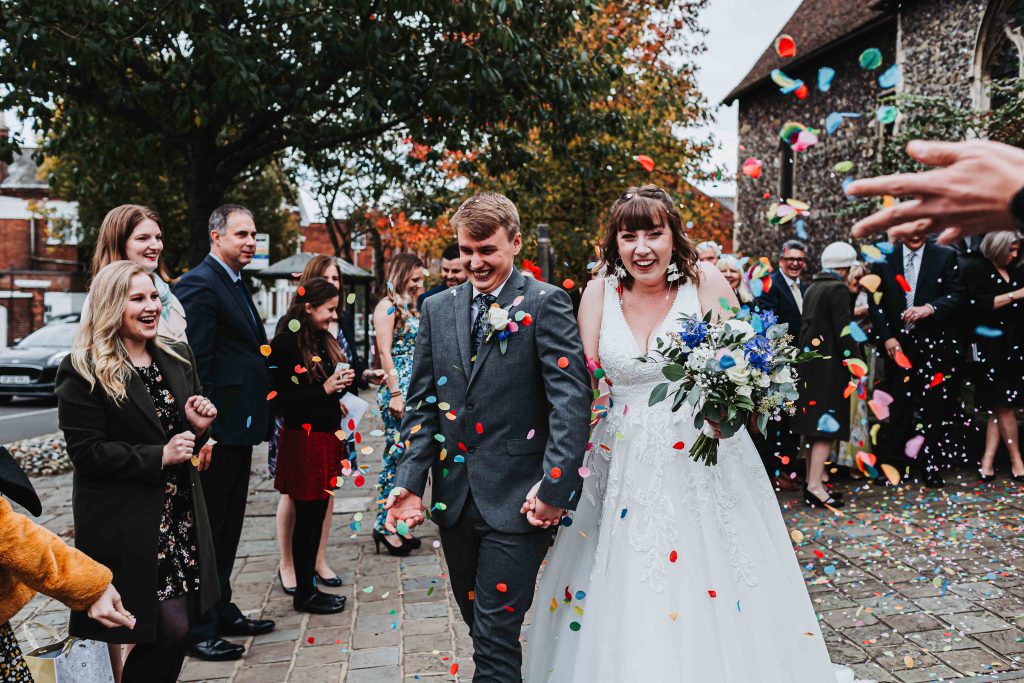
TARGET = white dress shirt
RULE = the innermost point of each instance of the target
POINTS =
(495, 293)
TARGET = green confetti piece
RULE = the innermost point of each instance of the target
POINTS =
(294, 325)
(351, 298)
(843, 167)
(430, 591)
(368, 589)
(358, 516)
(870, 59)
(403, 528)
(575, 626)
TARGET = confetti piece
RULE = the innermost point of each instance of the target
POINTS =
(797, 536)
(479, 428)
(913, 446)
(891, 473)
(294, 325)
(887, 114)
(870, 59)
(502, 588)
(673, 615)
(843, 167)
(359, 480)
(828, 424)
(902, 360)
(556, 473)
(835, 119)
(563, 362)
(673, 556)
(195, 461)
(752, 167)
(890, 78)
(645, 161)
(454, 668)
(713, 594)
(271, 395)
(442, 380)
(584, 472)
(679, 445)
(351, 298)
(266, 350)
(989, 332)
(785, 46)
(937, 379)
(568, 283)
(825, 76)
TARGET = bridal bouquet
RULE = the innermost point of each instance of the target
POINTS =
(728, 371)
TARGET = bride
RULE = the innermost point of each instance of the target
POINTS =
(670, 570)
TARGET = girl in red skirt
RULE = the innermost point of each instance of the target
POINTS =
(307, 377)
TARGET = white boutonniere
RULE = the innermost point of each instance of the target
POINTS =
(500, 324)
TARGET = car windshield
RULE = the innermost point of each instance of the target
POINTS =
(59, 335)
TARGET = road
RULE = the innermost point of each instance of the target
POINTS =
(23, 418)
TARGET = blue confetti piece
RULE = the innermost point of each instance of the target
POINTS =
(431, 399)
(890, 78)
(390, 311)
(835, 119)
(801, 229)
(726, 362)
(846, 183)
(756, 288)
(828, 424)
(622, 514)
(566, 521)
(460, 458)
(791, 88)
(738, 606)
(825, 76)
(830, 570)
(885, 247)
(989, 332)
(887, 114)
(580, 595)
(441, 381)
(857, 333)
(248, 422)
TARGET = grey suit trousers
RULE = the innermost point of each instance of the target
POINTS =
(493, 575)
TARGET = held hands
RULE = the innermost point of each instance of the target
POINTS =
(200, 413)
(538, 513)
(403, 506)
(109, 611)
(179, 449)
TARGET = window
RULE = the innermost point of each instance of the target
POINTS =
(1000, 50)
(62, 231)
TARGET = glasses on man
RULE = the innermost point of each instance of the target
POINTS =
(793, 259)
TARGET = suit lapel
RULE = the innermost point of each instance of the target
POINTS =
(245, 309)
(463, 323)
(512, 289)
(781, 283)
(925, 271)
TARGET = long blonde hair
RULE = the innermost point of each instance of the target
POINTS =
(401, 269)
(100, 355)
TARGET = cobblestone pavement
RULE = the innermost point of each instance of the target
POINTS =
(910, 585)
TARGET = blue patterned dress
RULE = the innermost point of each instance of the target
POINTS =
(403, 344)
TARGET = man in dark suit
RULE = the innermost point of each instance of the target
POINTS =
(452, 274)
(225, 332)
(914, 321)
(531, 448)
(780, 447)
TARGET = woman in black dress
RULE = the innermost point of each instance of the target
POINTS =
(131, 410)
(995, 289)
(823, 409)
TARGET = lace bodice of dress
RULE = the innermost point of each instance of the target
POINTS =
(618, 347)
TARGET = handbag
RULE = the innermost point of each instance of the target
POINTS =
(67, 660)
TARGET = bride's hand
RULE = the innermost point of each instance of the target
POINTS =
(531, 500)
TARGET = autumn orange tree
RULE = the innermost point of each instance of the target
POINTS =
(569, 175)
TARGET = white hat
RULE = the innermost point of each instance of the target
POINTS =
(838, 255)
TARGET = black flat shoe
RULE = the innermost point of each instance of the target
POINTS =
(244, 626)
(400, 551)
(321, 603)
(812, 501)
(288, 590)
(334, 582)
(216, 650)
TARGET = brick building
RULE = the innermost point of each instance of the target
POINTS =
(946, 48)
(40, 274)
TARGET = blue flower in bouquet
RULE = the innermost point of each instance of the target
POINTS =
(768, 318)
(758, 352)
(504, 334)
(693, 332)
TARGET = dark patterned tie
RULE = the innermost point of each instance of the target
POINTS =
(483, 304)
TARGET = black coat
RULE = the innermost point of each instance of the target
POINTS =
(1001, 373)
(226, 342)
(780, 299)
(939, 283)
(828, 310)
(118, 495)
(303, 401)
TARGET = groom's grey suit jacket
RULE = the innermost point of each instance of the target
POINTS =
(496, 426)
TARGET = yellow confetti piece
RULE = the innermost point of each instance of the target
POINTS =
(443, 405)
(195, 461)
(342, 436)
(673, 615)
(874, 432)
(871, 282)
(554, 605)
(872, 252)
(451, 416)
(315, 359)
(415, 429)
(366, 450)
(797, 536)
(887, 201)
(891, 473)
(908, 661)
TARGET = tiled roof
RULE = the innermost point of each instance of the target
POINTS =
(816, 26)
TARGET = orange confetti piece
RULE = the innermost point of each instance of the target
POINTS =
(454, 669)
(902, 360)
(502, 588)
(472, 595)
(936, 380)
(646, 162)
(902, 281)
(266, 350)
(563, 362)
(271, 395)
(302, 291)
(556, 472)
(568, 283)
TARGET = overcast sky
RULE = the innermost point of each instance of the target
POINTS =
(738, 32)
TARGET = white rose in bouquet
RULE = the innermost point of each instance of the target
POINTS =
(740, 372)
(762, 379)
(745, 390)
(783, 375)
(741, 327)
(498, 318)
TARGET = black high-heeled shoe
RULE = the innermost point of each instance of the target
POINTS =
(411, 541)
(812, 501)
(330, 583)
(399, 551)
(986, 478)
(286, 589)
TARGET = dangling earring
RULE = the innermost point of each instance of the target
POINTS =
(620, 270)
(672, 274)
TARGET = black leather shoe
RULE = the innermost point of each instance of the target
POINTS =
(216, 650)
(321, 603)
(243, 626)
(321, 581)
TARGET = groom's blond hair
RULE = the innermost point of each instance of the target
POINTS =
(482, 215)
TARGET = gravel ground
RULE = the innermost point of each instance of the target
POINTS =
(41, 456)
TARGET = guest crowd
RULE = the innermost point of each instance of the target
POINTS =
(169, 388)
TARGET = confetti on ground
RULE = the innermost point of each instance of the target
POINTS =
(870, 59)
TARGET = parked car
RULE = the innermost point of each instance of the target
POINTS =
(29, 368)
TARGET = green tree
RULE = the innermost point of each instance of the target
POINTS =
(232, 84)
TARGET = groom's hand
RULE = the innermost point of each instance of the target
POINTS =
(538, 513)
(403, 506)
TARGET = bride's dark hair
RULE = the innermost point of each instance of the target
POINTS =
(641, 208)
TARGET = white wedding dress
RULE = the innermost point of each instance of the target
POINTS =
(671, 570)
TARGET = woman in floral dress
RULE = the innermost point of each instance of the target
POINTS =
(395, 322)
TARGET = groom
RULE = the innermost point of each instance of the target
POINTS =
(498, 413)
